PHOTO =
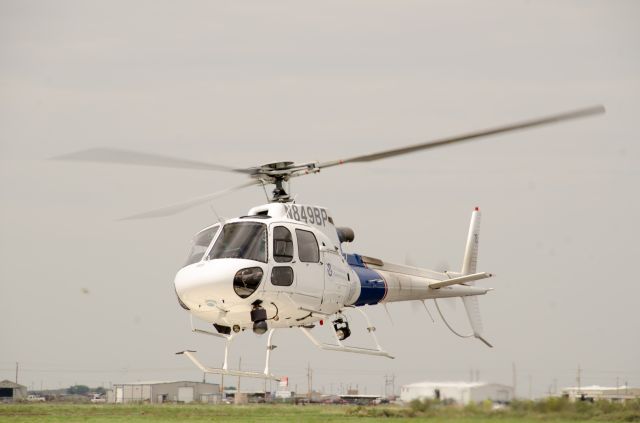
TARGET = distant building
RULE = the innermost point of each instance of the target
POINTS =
(283, 392)
(10, 391)
(595, 393)
(159, 392)
(459, 392)
(284, 395)
(360, 399)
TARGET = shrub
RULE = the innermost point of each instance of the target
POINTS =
(552, 405)
(423, 405)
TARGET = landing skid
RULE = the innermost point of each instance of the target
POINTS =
(266, 374)
(224, 370)
(378, 351)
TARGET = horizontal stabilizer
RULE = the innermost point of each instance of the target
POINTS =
(460, 280)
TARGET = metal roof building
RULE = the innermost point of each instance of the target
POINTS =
(164, 391)
(595, 393)
(10, 391)
(459, 392)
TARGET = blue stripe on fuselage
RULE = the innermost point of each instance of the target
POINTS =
(373, 287)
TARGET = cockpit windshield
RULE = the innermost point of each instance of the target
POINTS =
(200, 244)
(246, 240)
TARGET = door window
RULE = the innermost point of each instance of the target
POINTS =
(282, 276)
(307, 246)
(282, 245)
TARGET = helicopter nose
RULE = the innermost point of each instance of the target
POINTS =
(212, 282)
(197, 285)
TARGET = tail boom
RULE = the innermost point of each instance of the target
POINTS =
(382, 282)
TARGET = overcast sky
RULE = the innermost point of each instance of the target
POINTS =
(86, 299)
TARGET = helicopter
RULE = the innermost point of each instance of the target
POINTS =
(283, 264)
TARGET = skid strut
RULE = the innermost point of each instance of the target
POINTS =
(224, 370)
(339, 346)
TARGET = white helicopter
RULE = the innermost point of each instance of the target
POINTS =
(283, 266)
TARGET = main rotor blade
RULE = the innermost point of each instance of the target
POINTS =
(469, 136)
(113, 155)
(182, 206)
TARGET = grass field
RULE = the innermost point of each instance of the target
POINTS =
(251, 413)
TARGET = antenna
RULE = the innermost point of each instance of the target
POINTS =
(264, 188)
(221, 221)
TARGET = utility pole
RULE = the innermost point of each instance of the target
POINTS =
(514, 379)
(393, 385)
(626, 387)
(389, 382)
(237, 398)
(309, 381)
(385, 386)
(530, 395)
(579, 380)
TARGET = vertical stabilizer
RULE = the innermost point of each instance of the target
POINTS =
(469, 265)
(470, 261)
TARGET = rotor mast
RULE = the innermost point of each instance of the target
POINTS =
(277, 174)
(280, 195)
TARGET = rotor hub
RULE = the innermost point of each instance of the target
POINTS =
(276, 173)
(277, 166)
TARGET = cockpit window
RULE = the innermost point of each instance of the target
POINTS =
(200, 244)
(245, 240)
